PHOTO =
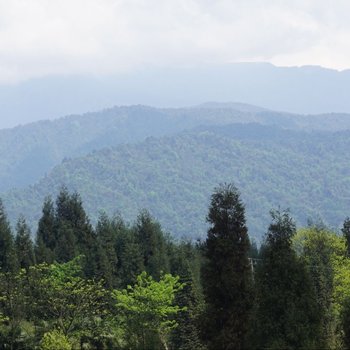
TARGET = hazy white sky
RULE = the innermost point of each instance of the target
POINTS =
(43, 37)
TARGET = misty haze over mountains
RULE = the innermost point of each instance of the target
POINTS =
(305, 90)
(284, 139)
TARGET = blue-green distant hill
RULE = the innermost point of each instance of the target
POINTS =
(29, 152)
(173, 176)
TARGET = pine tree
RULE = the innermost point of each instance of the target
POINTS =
(46, 239)
(226, 274)
(8, 259)
(24, 245)
(287, 316)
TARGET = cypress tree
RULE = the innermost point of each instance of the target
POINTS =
(153, 244)
(46, 237)
(226, 273)
(74, 233)
(107, 255)
(187, 335)
(24, 245)
(130, 256)
(346, 233)
(345, 322)
(8, 259)
(287, 316)
(317, 255)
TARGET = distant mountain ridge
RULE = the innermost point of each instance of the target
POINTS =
(302, 90)
(29, 152)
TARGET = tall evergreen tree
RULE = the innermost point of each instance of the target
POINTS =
(226, 274)
(287, 316)
(183, 264)
(317, 254)
(45, 243)
(346, 233)
(24, 245)
(74, 233)
(107, 255)
(130, 256)
(8, 259)
(153, 244)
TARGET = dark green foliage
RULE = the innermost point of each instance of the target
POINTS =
(107, 255)
(153, 245)
(185, 262)
(226, 274)
(8, 259)
(346, 233)
(73, 231)
(46, 237)
(302, 301)
(287, 315)
(317, 256)
(24, 245)
(345, 320)
(129, 253)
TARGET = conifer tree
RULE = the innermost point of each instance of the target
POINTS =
(226, 274)
(24, 245)
(46, 238)
(346, 233)
(130, 256)
(8, 259)
(187, 335)
(153, 244)
(287, 316)
(74, 233)
(107, 255)
(317, 254)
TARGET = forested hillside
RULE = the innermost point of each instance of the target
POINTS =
(29, 152)
(130, 286)
(307, 172)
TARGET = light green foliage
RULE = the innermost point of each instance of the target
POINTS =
(55, 340)
(149, 308)
(326, 256)
(307, 242)
(68, 301)
(14, 303)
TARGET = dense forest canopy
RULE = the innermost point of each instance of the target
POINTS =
(120, 286)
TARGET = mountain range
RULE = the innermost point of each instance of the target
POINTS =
(168, 161)
(305, 90)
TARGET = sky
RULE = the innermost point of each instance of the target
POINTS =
(40, 38)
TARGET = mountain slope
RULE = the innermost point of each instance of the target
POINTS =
(30, 151)
(174, 176)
